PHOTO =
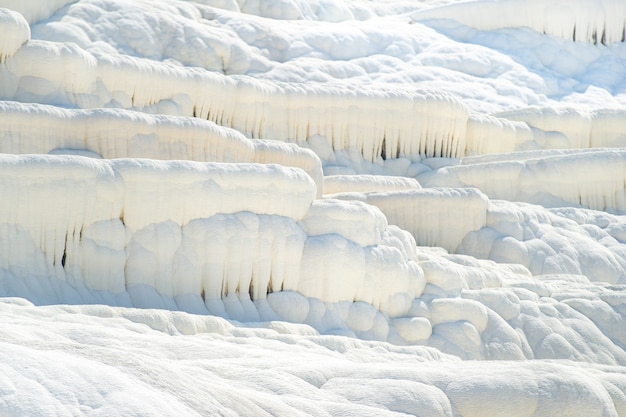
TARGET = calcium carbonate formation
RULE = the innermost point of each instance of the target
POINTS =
(597, 22)
(379, 124)
(116, 133)
(198, 197)
(197, 232)
(595, 178)
(16, 33)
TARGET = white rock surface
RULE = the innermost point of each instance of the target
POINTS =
(585, 20)
(228, 112)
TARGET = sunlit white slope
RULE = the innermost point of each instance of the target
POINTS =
(180, 235)
(209, 239)
(116, 133)
(289, 112)
(535, 294)
(491, 70)
(16, 32)
(113, 361)
(546, 241)
(34, 12)
(594, 21)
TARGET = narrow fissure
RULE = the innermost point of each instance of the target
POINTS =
(269, 287)
(383, 151)
(603, 39)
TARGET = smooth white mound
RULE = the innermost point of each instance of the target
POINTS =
(434, 216)
(489, 134)
(15, 32)
(289, 154)
(356, 221)
(116, 133)
(150, 362)
(556, 241)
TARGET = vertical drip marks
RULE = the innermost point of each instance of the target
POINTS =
(64, 259)
(593, 21)
(269, 289)
(603, 38)
(383, 150)
(63, 256)
(251, 289)
(361, 121)
(242, 255)
(289, 112)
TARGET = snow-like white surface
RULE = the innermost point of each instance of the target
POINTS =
(34, 11)
(334, 184)
(149, 362)
(434, 216)
(595, 179)
(555, 241)
(116, 133)
(259, 109)
(16, 32)
(196, 234)
(594, 21)
(572, 127)
(463, 256)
